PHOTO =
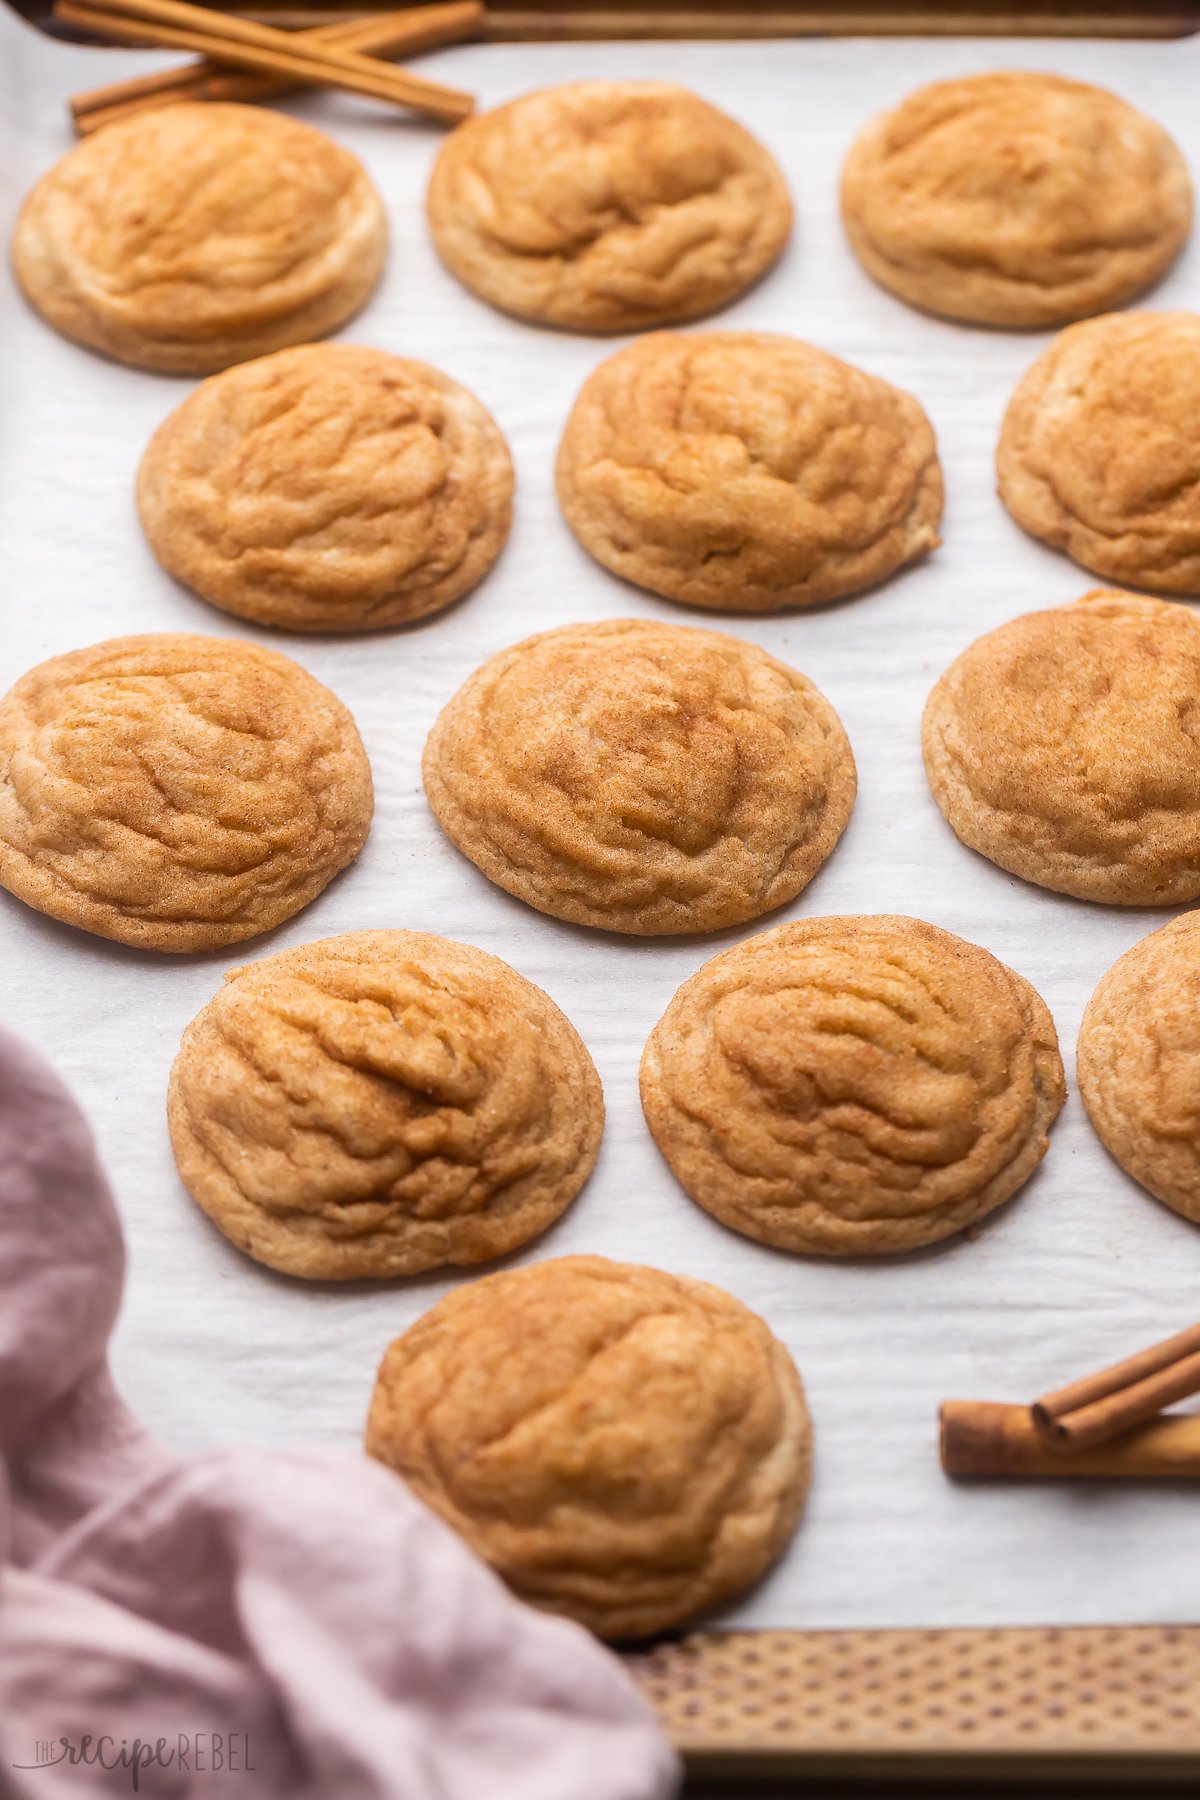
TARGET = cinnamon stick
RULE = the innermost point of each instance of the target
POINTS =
(405, 33)
(1104, 1405)
(260, 48)
(979, 1438)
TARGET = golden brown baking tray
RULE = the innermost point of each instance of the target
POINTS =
(1108, 1704)
(1118, 1703)
(516, 19)
(510, 20)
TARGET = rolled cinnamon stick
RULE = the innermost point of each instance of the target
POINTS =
(979, 1438)
(402, 33)
(1104, 1405)
(178, 25)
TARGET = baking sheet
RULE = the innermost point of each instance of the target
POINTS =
(1080, 1267)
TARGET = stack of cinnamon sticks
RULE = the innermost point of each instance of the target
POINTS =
(248, 61)
(1108, 1424)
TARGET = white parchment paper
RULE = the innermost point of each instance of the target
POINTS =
(1080, 1267)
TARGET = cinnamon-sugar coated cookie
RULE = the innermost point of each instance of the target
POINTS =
(625, 1447)
(747, 471)
(177, 793)
(607, 206)
(1099, 454)
(1015, 199)
(328, 488)
(189, 237)
(380, 1104)
(1064, 746)
(852, 1086)
(1138, 1061)
(642, 778)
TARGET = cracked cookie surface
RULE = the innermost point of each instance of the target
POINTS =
(1099, 454)
(177, 793)
(191, 237)
(328, 488)
(1065, 747)
(380, 1104)
(607, 206)
(642, 778)
(1138, 1062)
(747, 471)
(852, 1086)
(1015, 199)
(625, 1447)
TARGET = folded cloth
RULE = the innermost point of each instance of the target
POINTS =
(277, 1623)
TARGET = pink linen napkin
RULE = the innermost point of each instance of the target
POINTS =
(288, 1625)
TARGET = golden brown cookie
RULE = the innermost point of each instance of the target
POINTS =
(1064, 747)
(624, 1447)
(1100, 450)
(328, 488)
(381, 1104)
(642, 778)
(852, 1086)
(1138, 1061)
(746, 471)
(1015, 199)
(607, 206)
(195, 236)
(175, 792)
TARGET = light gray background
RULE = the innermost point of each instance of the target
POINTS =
(212, 1349)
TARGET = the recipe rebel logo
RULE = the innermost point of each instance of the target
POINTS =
(200, 1753)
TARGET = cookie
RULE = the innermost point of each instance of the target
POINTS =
(747, 472)
(1099, 454)
(1063, 747)
(642, 778)
(328, 488)
(176, 793)
(1138, 1061)
(624, 1447)
(381, 1104)
(852, 1086)
(607, 206)
(1015, 199)
(190, 237)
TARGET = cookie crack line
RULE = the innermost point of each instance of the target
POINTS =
(611, 1341)
(574, 250)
